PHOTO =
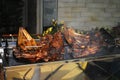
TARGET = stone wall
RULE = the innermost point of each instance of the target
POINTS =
(87, 14)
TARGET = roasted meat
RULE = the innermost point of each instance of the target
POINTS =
(49, 48)
(82, 44)
(25, 40)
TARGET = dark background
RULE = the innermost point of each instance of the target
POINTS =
(22, 13)
(10, 15)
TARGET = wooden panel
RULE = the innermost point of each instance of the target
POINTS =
(57, 71)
